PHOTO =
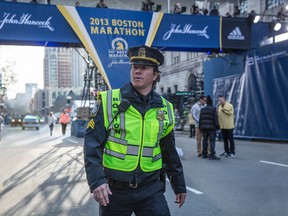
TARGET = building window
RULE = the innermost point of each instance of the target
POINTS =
(169, 90)
(175, 88)
(176, 59)
(189, 55)
(54, 95)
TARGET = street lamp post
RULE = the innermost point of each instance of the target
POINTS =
(2, 94)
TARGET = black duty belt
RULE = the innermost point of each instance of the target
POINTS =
(120, 184)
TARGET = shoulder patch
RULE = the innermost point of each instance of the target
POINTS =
(95, 109)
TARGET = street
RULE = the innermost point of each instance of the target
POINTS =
(44, 175)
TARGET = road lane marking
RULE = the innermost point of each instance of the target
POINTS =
(194, 190)
(72, 141)
(189, 189)
(278, 164)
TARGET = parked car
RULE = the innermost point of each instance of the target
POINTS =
(16, 121)
(30, 121)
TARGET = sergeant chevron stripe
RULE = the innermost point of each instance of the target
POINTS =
(91, 124)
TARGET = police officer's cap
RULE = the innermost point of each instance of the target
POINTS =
(145, 55)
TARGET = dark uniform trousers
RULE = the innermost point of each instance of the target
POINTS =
(144, 200)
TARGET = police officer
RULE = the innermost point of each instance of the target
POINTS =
(129, 140)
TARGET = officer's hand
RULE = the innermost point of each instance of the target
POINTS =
(101, 194)
(180, 199)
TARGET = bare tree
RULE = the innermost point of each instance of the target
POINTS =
(7, 68)
(9, 76)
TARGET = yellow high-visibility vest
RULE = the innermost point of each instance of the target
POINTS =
(134, 139)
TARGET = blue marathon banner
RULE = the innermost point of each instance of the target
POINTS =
(34, 24)
(184, 32)
(107, 34)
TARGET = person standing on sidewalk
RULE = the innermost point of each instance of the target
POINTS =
(130, 140)
(226, 121)
(64, 120)
(195, 111)
(192, 125)
(208, 124)
(51, 122)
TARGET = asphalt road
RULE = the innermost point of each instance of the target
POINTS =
(44, 175)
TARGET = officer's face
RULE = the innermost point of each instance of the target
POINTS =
(142, 77)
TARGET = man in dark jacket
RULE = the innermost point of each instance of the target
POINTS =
(208, 124)
(141, 134)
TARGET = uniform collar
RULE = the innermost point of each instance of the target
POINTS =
(127, 91)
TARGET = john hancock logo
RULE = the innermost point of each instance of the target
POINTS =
(118, 53)
(25, 20)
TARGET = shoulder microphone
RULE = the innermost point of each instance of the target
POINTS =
(123, 106)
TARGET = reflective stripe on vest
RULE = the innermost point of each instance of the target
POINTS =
(134, 139)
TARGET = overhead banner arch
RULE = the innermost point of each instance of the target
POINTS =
(107, 34)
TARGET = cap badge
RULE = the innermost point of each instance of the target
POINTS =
(160, 115)
(142, 52)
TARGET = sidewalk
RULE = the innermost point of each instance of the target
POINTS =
(247, 140)
(242, 146)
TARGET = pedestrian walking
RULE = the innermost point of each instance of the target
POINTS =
(226, 121)
(129, 150)
(208, 124)
(51, 122)
(64, 120)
